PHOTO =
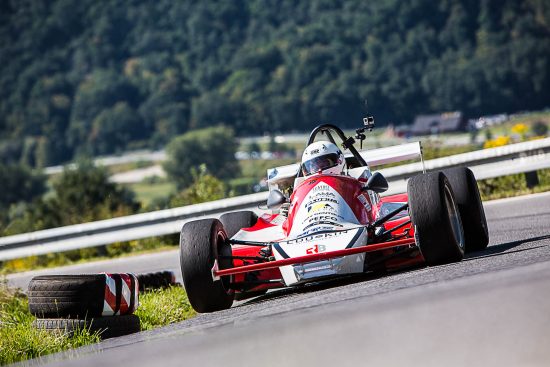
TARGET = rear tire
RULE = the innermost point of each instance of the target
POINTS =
(201, 243)
(235, 221)
(469, 203)
(436, 218)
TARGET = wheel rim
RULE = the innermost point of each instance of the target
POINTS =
(454, 217)
(226, 280)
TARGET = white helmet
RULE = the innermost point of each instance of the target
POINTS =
(322, 157)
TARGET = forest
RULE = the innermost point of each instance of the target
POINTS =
(84, 78)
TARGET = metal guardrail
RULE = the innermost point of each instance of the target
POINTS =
(488, 163)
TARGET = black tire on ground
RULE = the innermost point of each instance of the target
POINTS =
(469, 203)
(436, 218)
(161, 279)
(108, 326)
(201, 243)
(235, 221)
(60, 296)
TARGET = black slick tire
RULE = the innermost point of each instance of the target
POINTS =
(436, 218)
(469, 203)
(107, 327)
(235, 221)
(62, 296)
(203, 242)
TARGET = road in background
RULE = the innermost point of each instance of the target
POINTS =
(490, 309)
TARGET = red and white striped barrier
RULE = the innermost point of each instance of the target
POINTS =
(121, 294)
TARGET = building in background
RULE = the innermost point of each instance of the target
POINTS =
(437, 124)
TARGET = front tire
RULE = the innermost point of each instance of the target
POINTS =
(435, 215)
(203, 242)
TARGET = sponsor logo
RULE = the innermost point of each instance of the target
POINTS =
(319, 206)
(320, 200)
(365, 202)
(319, 236)
(273, 174)
(317, 268)
(326, 222)
(316, 249)
(321, 187)
(323, 194)
(321, 217)
(318, 229)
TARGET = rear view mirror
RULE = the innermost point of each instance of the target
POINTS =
(275, 199)
(377, 183)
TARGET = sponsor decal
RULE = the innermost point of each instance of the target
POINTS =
(321, 187)
(317, 268)
(365, 202)
(319, 236)
(321, 217)
(323, 222)
(273, 174)
(323, 194)
(320, 200)
(319, 206)
(318, 229)
(316, 249)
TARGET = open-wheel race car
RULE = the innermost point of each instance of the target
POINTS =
(325, 218)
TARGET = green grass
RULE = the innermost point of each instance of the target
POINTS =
(125, 167)
(149, 191)
(512, 185)
(19, 340)
(164, 306)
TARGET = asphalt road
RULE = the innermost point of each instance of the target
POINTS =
(492, 309)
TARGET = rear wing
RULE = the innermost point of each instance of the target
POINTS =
(283, 177)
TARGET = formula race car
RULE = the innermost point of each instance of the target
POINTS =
(321, 223)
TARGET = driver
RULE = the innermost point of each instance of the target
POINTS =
(322, 157)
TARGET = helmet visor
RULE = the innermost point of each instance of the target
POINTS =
(320, 163)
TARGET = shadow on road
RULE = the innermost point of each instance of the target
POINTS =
(315, 286)
(497, 250)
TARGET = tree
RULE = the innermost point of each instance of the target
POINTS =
(85, 194)
(79, 195)
(205, 187)
(114, 128)
(212, 147)
(257, 66)
(19, 184)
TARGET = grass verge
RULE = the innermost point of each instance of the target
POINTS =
(512, 185)
(19, 340)
(161, 307)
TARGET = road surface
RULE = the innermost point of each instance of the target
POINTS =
(492, 309)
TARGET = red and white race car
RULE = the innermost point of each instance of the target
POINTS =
(330, 225)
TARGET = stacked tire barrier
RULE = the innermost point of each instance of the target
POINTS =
(102, 303)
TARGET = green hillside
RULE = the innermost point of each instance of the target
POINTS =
(97, 77)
